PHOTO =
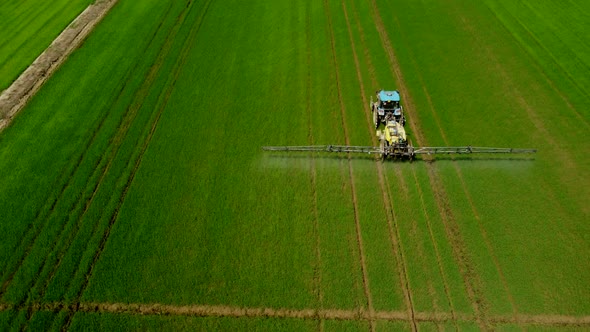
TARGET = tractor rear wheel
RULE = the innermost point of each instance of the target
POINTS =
(375, 118)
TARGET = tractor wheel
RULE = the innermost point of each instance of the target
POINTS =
(375, 118)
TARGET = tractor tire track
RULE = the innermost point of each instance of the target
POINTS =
(54, 260)
(490, 55)
(317, 266)
(386, 194)
(204, 310)
(41, 215)
(7, 100)
(123, 128)
(579, 117)
(563, 156)
(436, 250)
(471, 280)
(465, 190)
(359, 237)
(187, 47)
(398, 172)
(532, 115)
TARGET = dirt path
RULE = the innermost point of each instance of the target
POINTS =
(16, 96)
(359, 237)
(386, 195)
(157, 309)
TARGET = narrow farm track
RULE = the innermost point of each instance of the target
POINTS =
(189, 43)
(350, 171)
(15, 97)
(471, 280)
(466, 192)
(317, 269)
(386, 194)
(156, 309)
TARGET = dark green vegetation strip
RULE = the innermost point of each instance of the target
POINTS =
(136, 176)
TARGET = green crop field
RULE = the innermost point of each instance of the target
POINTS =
(135, 194)
(28, 27)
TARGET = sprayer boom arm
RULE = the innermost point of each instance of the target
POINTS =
(411, 150)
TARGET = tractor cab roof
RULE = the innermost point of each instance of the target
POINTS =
(388, 95)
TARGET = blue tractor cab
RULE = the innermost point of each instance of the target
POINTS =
(387, 107)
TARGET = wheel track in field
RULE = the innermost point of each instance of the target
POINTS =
(468, 195)
(532, 115)
(436, 250)
(32, 230)
(386, 194)
(533, 37)
(317, 268)
(124, 125)
(468, 27)
(562, 155)
(120, 135)
(188, 44)
(399, 175)
(204, 310)
(359, 238)
(472, 281)
(40, 214)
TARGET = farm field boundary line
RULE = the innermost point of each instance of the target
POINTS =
(359, 237)
(471, 279)
(156, 309)
(317, 266)
(386, 195)
(16, 96)
(135, 165)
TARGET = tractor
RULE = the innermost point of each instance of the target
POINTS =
(387, 104)
(393, 141)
